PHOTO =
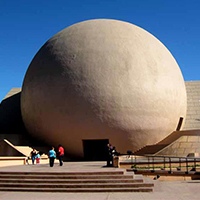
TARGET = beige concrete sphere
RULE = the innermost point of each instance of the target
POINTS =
(103, 79)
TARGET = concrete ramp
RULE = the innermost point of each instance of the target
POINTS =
(178, 143)
(25, 150)
(7, 149)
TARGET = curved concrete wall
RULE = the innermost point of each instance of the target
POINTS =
(103, 79)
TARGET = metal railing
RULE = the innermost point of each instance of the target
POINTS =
(166, 162)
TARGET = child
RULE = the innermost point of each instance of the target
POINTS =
(37, 158)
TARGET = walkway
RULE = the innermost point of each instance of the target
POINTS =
(177, 190)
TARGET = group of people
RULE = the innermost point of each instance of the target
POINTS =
(52, 155)
(111, 152)
(35, 156)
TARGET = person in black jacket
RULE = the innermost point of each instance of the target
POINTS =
(33, 155)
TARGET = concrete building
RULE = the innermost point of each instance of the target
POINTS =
(181, 146)
(96, 82)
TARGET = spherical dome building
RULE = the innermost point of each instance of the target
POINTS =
(103, 79)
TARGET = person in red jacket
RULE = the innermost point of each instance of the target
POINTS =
(60, 154)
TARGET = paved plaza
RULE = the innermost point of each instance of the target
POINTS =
(173, 190)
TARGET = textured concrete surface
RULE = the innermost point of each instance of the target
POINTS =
(181, 143)
(163, 191)
(10, 113)
(178, 190)
(175, 149)
(67, 167)
(193, 105)
(8, 150)
(103, 79)
(188, 144)
(182, 147)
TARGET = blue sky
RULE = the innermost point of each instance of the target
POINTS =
(26, 25)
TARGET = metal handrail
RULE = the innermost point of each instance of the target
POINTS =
(171, 159)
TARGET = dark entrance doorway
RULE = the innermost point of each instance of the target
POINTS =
(95, 150)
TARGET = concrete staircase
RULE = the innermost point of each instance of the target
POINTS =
(106, 181)
(154, 149)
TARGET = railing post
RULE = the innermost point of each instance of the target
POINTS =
(186, 165)
(195, 164)
(170, 164)
(164, 163)
(135, 160)
(153, 162)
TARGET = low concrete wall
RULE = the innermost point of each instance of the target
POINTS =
(12, 161)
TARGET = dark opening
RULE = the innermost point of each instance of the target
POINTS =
(179, 124)
(95, 150)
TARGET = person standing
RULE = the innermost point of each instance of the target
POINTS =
(52, 156)
(60, 154)
(109, 155)
(33, 155)
(114, 153)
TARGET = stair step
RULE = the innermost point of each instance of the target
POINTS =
(65, 173)
(99, 181)
(12, 189)
(71, 181)
(67, 176)
(107, 185)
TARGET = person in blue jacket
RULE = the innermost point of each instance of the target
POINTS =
(52, 156)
